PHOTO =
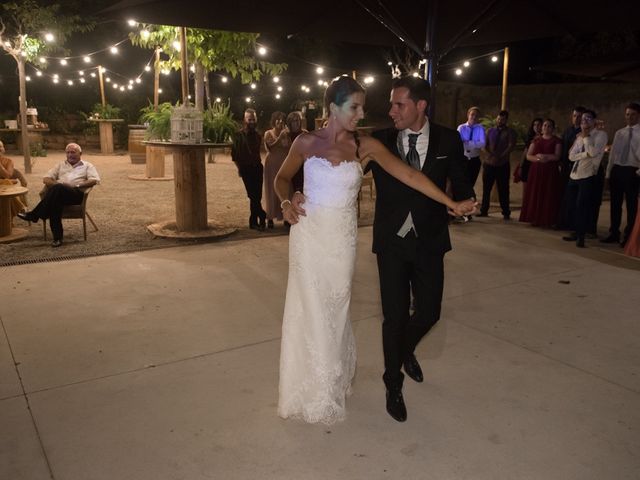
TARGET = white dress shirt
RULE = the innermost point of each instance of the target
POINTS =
(473, 139)
(586, 154)
(620, 141)
(422, 146)
(64, 172)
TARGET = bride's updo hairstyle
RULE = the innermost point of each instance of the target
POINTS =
(338, 92)
(340, 89)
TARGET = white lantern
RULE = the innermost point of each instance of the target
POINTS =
(186, 124)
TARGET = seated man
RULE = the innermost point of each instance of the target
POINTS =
(64, 184)
(11, 176)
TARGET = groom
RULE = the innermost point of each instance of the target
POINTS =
(410, 231)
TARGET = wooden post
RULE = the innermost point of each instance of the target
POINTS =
(190, 188)
(101, 80)
(505, 76)
(184, 68)
(22, 100)
(156, 80)
(155, 162)
(106, 138)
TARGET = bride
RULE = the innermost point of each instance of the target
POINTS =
(318, 357)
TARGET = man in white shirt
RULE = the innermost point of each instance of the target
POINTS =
(624, 162)
(473, 140)
(64, 186)
(585, 156)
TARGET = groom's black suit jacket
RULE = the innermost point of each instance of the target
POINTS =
(445, 159)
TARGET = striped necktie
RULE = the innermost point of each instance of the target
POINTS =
(413, 157)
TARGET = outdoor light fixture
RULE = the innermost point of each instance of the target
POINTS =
(193, 68)
(147, 68)
(262, 51)
(176, 45)
(38, 73)
(320, 82)
(279, 88)
(303, 87)
(253, 86)
(494, 58)
(145, 34)
(138, 80)
(42, 60)
(122, 89)
(130, 82)
(27, 78)
(159, 90)
(248, 99)
(368, 80)
(416, 74)
(69, 82)
(319, 70)
(458, 71)
(81, 72)
(63, 61)
(55, 80)
(93, 74)
(114, 50)
(466, 63)
(276, 79)
(102, 69)
(218, 99)
(277, 96)
(87, 59)
(82, 80)
(49, 37)
(224, 79)
(132, 23)
(390, 63)
(115, 85)
(108, 79)
(55, 75)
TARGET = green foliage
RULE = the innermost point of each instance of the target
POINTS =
(218, 123)
(38, 150)
(213, 49)
(25, 21)
(106, 112)
(159, 121)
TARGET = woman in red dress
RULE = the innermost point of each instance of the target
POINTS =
(543, 193)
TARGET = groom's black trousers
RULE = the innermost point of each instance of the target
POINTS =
(403, 266)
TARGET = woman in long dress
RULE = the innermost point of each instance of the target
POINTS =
(318, 357)
(277, 143)
(542, 196)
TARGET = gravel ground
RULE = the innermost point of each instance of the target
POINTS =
(122, 209)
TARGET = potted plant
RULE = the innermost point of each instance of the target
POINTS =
(158, 121)
(219, 124)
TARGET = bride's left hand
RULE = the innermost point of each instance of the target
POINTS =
(466, 207)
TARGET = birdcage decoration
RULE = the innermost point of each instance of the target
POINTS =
(186, 124)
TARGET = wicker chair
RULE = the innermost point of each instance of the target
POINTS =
(74, 211)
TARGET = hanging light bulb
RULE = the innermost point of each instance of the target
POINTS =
(63, 61)
(82, 80)
(49, 37)
(253, 86)
(27, 78)
(458, 71)
(147, 68)
(466, 63)
(132, 23)
(319, 70)
(494, 58)
(145, 34)
(276, 79)
(279, 88)
(38, 73)
(114, 50)
(87, 59)
(262, 51)
(218, 99)
(224, 79)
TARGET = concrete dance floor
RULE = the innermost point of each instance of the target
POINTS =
(163, 364)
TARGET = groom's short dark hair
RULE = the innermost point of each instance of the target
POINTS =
(419, 88)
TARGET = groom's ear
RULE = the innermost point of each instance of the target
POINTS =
(422, 106)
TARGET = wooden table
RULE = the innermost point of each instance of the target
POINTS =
(106, 133)
(190, 184)
(34, 134)
(7, 233)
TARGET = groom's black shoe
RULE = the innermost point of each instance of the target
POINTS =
(395, 404)
(412, 368)
(28, 217)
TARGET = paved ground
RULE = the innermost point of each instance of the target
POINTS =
(163, 365)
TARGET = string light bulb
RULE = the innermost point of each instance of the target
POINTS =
(87, 59)
(368, 80)
(253, 86)
(49, 37)
(494, 58)
(276, 79)
(224, 79)
(466, 63)
(262, 51)
(458, 71)
(114, 49)
(63, 61)
(132, 23)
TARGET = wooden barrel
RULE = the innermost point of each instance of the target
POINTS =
(137, 151)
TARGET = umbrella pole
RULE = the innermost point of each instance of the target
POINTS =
(505, 76)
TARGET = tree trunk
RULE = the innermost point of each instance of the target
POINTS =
(199, 86)
(26, 148)
(207, 89)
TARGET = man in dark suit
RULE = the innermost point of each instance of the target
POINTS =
(410, 231)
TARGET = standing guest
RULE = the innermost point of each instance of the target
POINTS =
(568, 137)
(245, 153)
(542, 195)
(501, 140)
(277, 144)
(624, 161)
(294, 125)
(10, 176)
(586, 155)
(64, 185)
(535, 130)
(632, 247)
(473, 140)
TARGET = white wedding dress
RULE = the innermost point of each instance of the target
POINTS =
(318, 354)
